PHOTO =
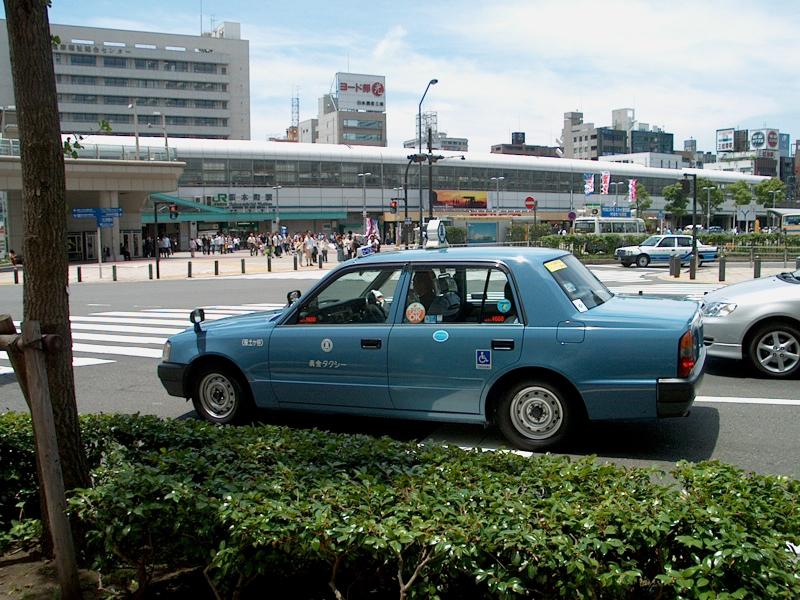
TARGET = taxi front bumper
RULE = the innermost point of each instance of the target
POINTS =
(172, 378)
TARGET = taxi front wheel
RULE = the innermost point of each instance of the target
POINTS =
(534, 415)
(219, 396)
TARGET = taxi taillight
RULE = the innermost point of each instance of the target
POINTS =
(686, 355)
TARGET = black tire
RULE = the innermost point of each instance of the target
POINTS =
(219, 396)
(535, 415)
(626, 263)
(774, 349)
(642, 260)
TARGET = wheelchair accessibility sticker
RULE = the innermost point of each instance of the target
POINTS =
(483, 359)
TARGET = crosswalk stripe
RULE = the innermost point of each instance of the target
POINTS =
(77, 361)
(119, 350)
(127, 328)
(131, 321)
(124, 339)
(210, 316)
(185, 312)
(730, 400)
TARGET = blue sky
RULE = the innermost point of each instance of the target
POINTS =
(690, 67)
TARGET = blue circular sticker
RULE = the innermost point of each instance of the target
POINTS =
(440, 335)
(504, 305)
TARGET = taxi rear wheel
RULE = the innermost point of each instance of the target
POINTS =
(219, 396)
(642, 260)
(535, 415)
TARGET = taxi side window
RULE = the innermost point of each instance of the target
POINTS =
(355, 297)
(685, 242)
(459, 295)
(668, 242)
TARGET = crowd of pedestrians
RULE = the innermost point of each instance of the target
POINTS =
(308, 246)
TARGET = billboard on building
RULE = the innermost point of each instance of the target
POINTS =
(361, 92)
(724, 140)
(784, 145)
(764, 139)
(460, 199)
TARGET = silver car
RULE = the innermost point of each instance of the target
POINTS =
(758, 321)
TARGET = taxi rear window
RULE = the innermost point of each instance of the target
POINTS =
(580, 285)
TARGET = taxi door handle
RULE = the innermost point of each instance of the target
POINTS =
(371, 344)
(502, 344)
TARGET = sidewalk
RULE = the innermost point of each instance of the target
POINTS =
(177, 267)
(734, 273)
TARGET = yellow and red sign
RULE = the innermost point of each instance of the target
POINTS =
(461, 199)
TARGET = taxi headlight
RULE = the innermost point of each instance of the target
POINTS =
(719, 309)
(166, 351)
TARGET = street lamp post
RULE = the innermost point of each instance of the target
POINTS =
(163, 129)
(412, 158)
(708, 189)
(135, 126)
(277, 209)
(694, 213)
(419, 140)
(616, 185)
(497, 181)
(364, 198)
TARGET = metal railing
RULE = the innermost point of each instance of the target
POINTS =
(11, 147)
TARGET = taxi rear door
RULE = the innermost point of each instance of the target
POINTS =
(442, 363)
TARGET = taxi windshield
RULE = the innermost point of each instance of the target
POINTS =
(651, 241)
(584, 290)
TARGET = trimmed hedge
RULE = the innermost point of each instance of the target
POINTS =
(319, 513)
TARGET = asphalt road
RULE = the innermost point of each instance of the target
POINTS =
(736, 420)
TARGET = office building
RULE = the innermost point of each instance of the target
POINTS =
(190, 86)
(354, 114)
(625, 135)
(519, 147)
(439, 139)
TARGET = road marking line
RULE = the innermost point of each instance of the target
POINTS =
(127, 328)
(123, 339)
(731, 400)
(77, 361)
(125, 321)
(210, 316)
(120, 350)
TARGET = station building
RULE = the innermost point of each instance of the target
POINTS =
(244, 185)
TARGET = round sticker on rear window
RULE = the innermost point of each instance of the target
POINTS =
(504, 305)
(415, 313)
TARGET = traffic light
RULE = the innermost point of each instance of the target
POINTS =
(173, 211)
(393, 206)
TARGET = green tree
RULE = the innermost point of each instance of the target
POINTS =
(742, 195)
(709, 200)
(45, 290)
(643, 200)
(770, 192)
(676, 200)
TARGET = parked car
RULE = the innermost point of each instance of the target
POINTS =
(527, 338)
(714, 229)
(758, 321)
(658, 249)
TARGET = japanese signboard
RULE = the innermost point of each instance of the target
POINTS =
(464, 199)
(764, 139)
(361, 92)
(724, 140)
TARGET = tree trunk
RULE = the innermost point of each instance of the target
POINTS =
(45, 291)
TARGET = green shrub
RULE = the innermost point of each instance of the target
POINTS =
(277, 507)
(456, 235)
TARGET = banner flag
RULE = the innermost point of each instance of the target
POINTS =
(632, 190)
(605, 181)
(588, 184)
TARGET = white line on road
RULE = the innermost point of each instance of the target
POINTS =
(127, 328)
(730, 400)
(120, 350)
(77, 361)
(121, 339)
(125, 321)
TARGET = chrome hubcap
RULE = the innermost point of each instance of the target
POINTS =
(778, 352)
(217, 395)
(536, 413)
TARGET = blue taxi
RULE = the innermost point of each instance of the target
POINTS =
(524, 338)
